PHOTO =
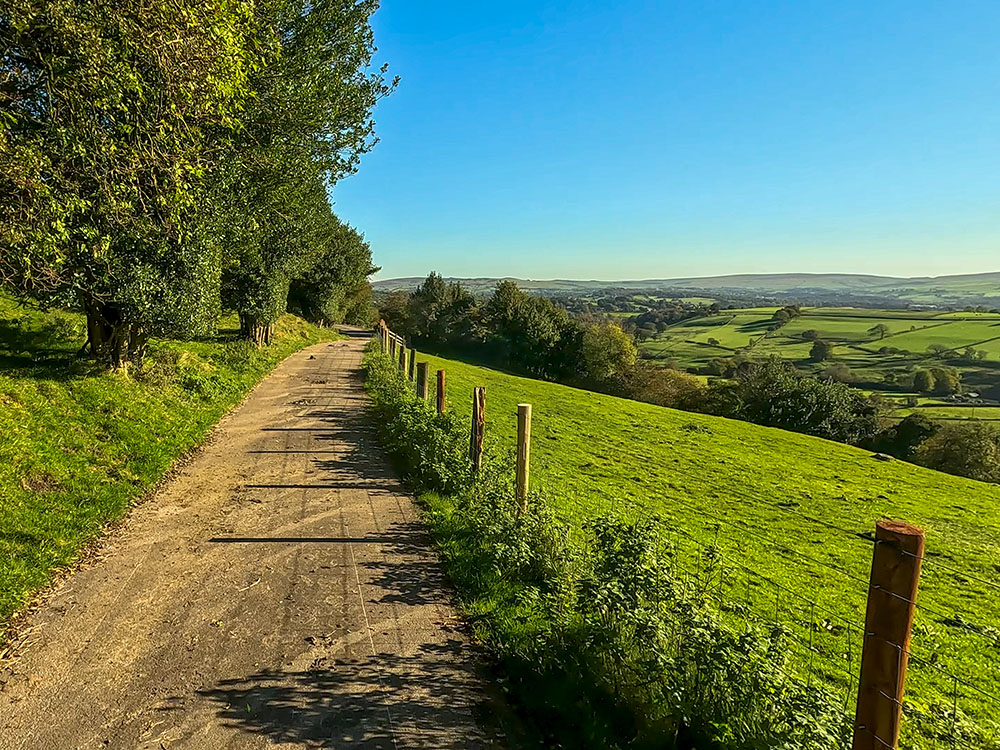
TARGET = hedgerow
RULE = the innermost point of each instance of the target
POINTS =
(598, 636)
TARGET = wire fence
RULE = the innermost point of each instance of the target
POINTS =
(817, 589)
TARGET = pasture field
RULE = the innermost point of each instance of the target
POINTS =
(81, 444)
(869, 356)
(770, 521)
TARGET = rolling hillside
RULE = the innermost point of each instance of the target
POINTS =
(917, 290)
(772, 520)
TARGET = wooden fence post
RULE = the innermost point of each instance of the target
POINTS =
(402, 359)
(440, 391)
(523, 454)
(392, 346)
(422, 380)
(892, 592)
(413, 364)
(478, 430)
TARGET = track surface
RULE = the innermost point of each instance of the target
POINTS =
(280, 591)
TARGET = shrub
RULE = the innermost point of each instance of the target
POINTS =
(770, 392)
(968, 450)
(662, 386)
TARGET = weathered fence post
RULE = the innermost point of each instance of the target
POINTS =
(523, 453)
(892, 593)
(440, 391)
(413, 364)
(422, 380)
(402, 359)
(392, 346)
(478, 427)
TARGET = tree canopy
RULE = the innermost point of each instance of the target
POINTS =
(147, 148)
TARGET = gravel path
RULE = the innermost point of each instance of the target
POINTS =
(280, 591)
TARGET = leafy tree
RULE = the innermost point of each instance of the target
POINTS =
(770, 392)
(879, 329)
(607, 351)
(810, 335)
(946, 381)
(821, 351)
(903, 439)
(923, 381)
(969, 450)
(712, 341)
(105, 111)
(325, 292)
(308, 124)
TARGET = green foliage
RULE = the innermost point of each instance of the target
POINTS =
(429, 448)
(607, 351)
(327, 291)
(603, 640)
(821, 351)
(104, 127)
(308, 125)
(81, 444)
(969, 450)
(770, 392)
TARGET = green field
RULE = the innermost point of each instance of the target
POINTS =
(81, 444)
(733, 332)
(784, 510)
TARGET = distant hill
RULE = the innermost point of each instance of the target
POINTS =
(980, 288)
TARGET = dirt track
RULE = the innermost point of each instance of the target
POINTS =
(278, 592)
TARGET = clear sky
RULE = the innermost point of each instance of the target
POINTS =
(614, 140)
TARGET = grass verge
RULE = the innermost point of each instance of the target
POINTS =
(81, 444)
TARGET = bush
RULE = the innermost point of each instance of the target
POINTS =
(662, 386)
(968, 450)
(770, 392)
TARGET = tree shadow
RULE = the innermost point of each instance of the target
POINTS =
(425, 699)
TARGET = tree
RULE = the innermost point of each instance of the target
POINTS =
(969, 450)
(607, 351)
(810, 335)
(879, 329)
(712, 341)
(946, 381)
(903, 439)
(308, 124)
(106, 110)
(821, 351)
(923, 381)
(770, 392)
(326, 292)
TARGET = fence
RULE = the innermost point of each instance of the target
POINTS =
(868, 643)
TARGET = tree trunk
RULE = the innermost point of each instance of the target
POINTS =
(112, 340)
(255, 331)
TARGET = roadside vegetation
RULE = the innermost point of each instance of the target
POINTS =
(82, 443)
(662, 548)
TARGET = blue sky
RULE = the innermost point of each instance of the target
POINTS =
(614, 140)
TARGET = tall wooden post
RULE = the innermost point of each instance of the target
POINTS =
(392, 346)
(478, 430)
(422, 379)
(523, 454)
(892, 593)
(402, 359)
(440, 391)
(413, 364)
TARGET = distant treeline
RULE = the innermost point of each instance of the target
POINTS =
(531, 335)
(158, 162)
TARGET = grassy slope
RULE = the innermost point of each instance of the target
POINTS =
(745, 487)
(80, 445)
